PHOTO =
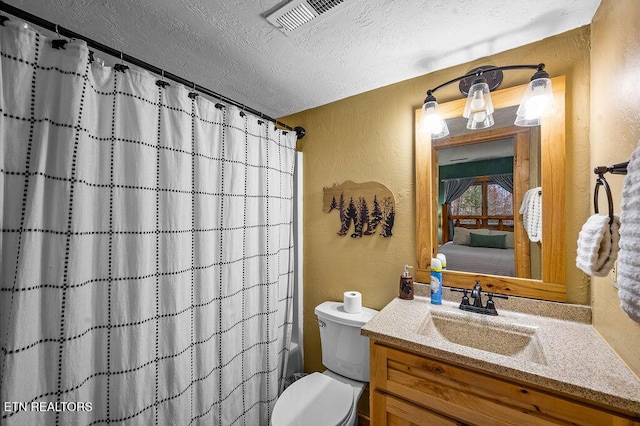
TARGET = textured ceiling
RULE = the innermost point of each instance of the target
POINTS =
(230, 48)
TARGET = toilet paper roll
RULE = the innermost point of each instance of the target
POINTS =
(352, 302)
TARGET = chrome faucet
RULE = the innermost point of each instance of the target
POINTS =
(476, 294)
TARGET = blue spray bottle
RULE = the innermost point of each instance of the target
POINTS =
(436, 281)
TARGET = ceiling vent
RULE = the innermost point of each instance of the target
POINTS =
(298, 14)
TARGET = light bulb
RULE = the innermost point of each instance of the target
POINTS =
(432, 122)
(536, 102)
(478, 101)
(479, 116)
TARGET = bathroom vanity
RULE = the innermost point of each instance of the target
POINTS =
(536, 363)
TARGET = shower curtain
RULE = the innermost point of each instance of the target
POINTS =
(146, 247)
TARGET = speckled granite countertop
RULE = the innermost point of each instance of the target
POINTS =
(571, 357)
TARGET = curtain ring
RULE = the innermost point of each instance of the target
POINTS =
(59, 42)
(193, 93)
(121, 66)
(161, 82)
(242, 114)
(219, 104)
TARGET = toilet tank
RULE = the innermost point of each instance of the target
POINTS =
(344, 350)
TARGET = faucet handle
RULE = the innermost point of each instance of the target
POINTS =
(465, 298)
(491, 306)
(499, 296)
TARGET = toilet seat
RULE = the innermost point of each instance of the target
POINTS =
(314, 400)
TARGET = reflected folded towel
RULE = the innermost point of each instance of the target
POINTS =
(531, 211)
(598, 245)
(629, 262)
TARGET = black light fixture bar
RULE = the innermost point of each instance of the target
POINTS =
(482, 70)
(43, 23)
(476, 85)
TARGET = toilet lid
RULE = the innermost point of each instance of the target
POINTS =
(314, 400)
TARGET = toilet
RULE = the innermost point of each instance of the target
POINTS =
(330, 398)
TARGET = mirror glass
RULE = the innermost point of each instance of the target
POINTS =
(496, 181)
(534, 157)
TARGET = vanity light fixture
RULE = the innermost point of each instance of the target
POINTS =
(477, 85)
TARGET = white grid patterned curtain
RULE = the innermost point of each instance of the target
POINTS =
(146, 247)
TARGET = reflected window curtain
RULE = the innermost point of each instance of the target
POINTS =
(504, 180)
(146, 246)
(453, 189)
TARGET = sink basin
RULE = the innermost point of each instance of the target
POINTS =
(479, 332)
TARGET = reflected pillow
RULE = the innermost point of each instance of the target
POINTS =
(461, 235)
(489, 241)
(509, 241)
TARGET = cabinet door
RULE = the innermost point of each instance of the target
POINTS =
(391, 411)
(475, 397)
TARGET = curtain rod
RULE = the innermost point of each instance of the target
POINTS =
(12, 10)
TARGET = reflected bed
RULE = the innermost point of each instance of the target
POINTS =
(482, 260)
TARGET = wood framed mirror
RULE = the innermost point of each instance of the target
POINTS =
(551, 284)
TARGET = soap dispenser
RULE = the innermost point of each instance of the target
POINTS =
(406, 284)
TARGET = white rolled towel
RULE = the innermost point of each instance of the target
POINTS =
(629, 262)
(598, 245)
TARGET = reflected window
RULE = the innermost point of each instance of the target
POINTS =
(499, 203)
(484, 203)
(469, 203)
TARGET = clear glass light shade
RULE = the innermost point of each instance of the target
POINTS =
(479, 107)
(480, 120)
(432, 122)
(536, 102)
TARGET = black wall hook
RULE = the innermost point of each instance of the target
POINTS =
(3, 19)
(616, 169)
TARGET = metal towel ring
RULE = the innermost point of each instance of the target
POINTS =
(601, 181)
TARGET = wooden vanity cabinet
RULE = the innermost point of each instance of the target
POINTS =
(410, 389)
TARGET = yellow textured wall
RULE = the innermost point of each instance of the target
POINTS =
(615, 130)
(369, 137)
